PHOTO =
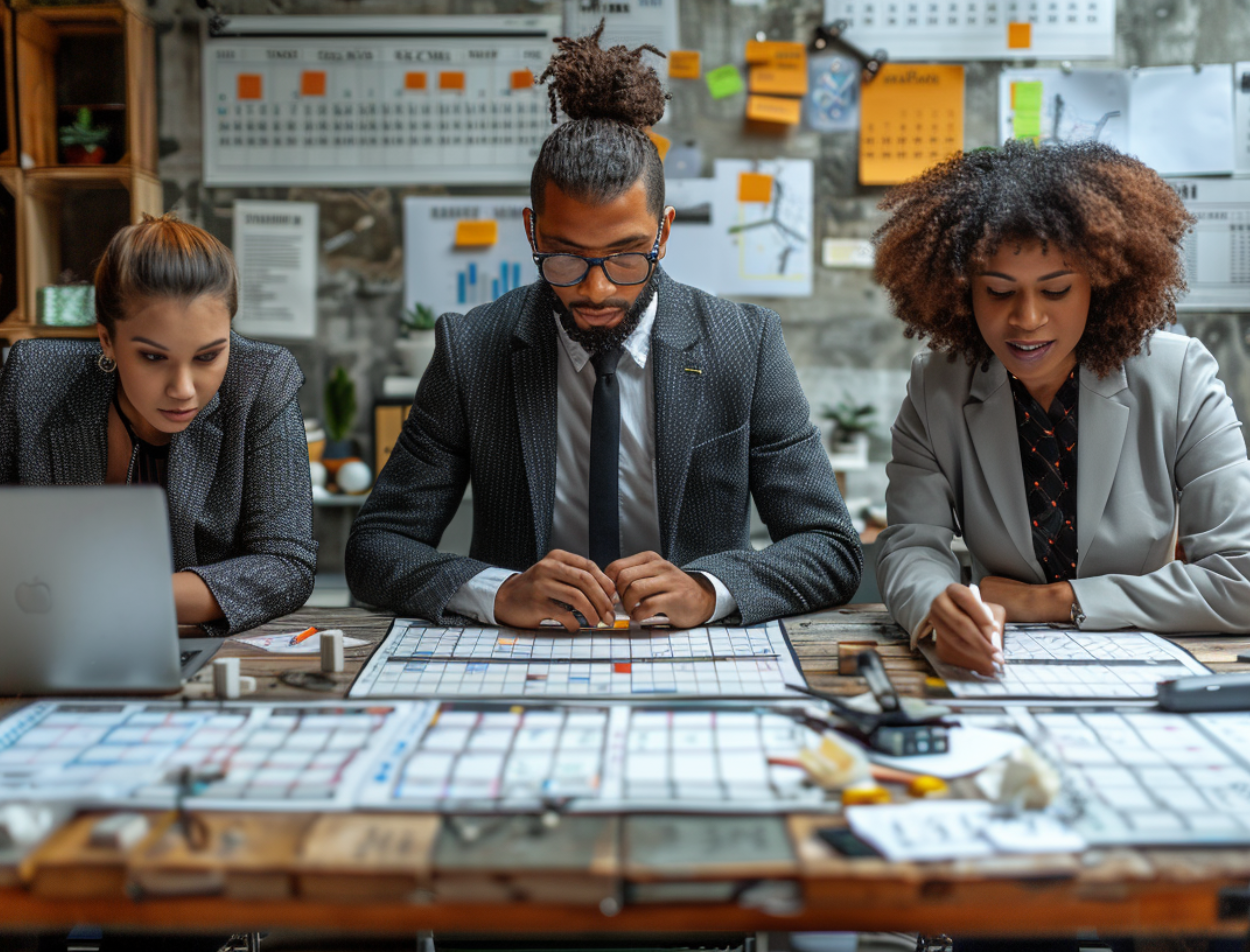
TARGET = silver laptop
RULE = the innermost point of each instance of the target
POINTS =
(86, 597)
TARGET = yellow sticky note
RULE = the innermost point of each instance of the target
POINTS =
(661, 144)
(776, 53)
(1019, 36)
(778, 80)
(911, 118)
(522, 79)
(474, 233)
(1026, 97)
(755, 187)
(786, 112)
(684, 64)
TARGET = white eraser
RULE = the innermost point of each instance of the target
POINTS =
(332, 651)
(226, 678)
(120, 831)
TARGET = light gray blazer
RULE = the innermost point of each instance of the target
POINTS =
(1159, 447)
(240, 500)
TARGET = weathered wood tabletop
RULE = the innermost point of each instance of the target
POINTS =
(1117, 891)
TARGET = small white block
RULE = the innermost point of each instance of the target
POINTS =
(120, 831)
(332, 651)
(226, 678)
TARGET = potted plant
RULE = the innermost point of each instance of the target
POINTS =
(851, 423)
(415, 345)
(83, 141)
(340, 414)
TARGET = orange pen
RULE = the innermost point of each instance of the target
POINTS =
(302, 636)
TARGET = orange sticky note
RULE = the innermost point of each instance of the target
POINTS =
(684, 64)
(785, 112)
(776, 53)
(312, 82)
(778, 80)
(661, 144)
(250, 86)
(521, 79)
(451, 80)
(474, 233)
(1019, 36)
(414, 80)
(755, 187)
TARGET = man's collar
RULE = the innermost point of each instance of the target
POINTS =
(637, 344)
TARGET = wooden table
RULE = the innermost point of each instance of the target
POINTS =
(1116, 891)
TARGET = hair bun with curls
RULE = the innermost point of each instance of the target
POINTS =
(589, 82)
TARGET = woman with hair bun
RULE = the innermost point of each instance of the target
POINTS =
(171, 396)
(1052, 425)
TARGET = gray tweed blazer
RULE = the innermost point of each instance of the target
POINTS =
(240, 500)
(731, 419)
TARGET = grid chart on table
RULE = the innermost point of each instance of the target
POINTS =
(1047, 662)
(416, 660)
(596, 758)
(266, 757)
(978, 29)
(369, 109)
(1148, 777)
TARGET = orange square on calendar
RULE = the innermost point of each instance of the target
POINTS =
(251, 86)
(451, 80)
(312, 82)
(521, 79)
(1019, 36)
(414, 80)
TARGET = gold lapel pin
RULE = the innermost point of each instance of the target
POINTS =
(693, 370)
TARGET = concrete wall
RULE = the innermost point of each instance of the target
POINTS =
(843, 337)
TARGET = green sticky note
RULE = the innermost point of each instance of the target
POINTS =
(1027, 97)
(1027, 125)
(725, 81)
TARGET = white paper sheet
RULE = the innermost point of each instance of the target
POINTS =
(1077, 106)
(1241, 118)
(1182, 119)
(281, 644)
(972, 749)
(627, 24)
(957, 829)
(275, 245)
(1217, 251)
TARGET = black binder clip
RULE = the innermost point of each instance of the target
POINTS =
(831, 37)
(903, 728)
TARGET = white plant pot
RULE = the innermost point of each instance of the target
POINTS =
(415, 352)
(850, 454)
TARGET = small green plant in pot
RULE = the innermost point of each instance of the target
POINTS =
(340, 414)
(415, 345)
(851, 423)
(83, 141)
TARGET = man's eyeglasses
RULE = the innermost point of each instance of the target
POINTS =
(563, 270)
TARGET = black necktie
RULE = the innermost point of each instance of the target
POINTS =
(605, 448)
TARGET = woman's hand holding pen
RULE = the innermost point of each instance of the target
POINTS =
(969, 631)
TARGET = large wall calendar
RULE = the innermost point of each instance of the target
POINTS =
(375, 100)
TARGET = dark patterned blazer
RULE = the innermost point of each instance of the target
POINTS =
(240, 499)
(731, 420)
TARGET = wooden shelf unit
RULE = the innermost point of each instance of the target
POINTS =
(66, 214)
(8, 101)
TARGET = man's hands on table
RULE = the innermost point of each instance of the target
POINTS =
(645, 584)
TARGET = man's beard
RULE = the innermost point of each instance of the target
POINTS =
(597, 340)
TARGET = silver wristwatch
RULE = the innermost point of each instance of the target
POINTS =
(1077, 615)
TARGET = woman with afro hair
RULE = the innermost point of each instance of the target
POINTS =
(1052, 424)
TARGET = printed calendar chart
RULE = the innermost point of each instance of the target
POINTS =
(419, 660)
(979, 29)
(382, 100)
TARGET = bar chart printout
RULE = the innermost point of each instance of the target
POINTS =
(450, 277)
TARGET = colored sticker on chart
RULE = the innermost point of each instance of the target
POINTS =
(312, 82)
(251, 86)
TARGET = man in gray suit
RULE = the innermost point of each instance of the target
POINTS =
(612, 421)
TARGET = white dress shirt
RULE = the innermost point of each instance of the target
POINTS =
(639, 510)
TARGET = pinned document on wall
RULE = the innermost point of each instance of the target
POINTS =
(1052, 106)
(747, 231)
(1241, 119)
(832, 101)
(462, 252)
(1182, 119)
(652, 22)
(911, 118)
(978, 29)
(1217, 251)
(275, 244)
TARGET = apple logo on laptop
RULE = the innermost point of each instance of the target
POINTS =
(34, 597)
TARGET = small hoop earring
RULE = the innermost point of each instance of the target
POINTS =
(106, 363)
